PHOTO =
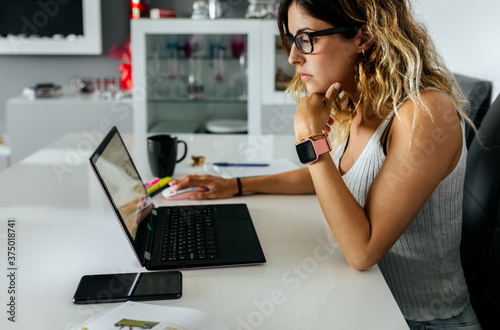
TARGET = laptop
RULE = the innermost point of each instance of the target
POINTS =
(178, 236)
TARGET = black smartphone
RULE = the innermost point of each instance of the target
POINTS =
(128, 286)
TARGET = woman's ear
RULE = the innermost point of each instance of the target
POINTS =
(365, 39)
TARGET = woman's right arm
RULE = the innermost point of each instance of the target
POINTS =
(294, 182)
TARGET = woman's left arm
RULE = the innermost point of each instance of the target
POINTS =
(417, 161)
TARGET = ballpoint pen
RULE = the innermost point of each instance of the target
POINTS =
(241, 164)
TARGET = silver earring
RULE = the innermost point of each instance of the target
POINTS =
(363, 50)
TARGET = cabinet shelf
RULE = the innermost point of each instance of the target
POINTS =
(205, 100)
(210, 59)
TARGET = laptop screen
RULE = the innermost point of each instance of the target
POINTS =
(121, 181)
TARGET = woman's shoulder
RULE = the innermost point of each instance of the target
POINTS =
(432, 107)
(430, 118)
(427, 128)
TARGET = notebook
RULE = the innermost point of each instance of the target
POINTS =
(172, 237)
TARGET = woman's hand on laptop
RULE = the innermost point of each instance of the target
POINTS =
(215, 187)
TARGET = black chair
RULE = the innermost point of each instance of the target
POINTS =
(480, 246)
(478, 93)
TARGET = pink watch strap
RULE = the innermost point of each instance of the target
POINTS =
(321, 146)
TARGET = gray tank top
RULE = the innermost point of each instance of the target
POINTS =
(423, 268)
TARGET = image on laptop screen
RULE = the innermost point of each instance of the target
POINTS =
(123, 184)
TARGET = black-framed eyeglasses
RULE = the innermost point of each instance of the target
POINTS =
(304, 40)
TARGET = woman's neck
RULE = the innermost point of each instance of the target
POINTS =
(361, 120)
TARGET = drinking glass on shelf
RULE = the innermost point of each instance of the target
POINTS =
(172, 70)
(110, 88)
(114, 86)
(155, 79)
(195, 88)
(76, 86)
(240, 79)
(237, 46)
(219, 72)
(98, 87)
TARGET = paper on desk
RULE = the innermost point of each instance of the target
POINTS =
(275, 166)
(133, 315)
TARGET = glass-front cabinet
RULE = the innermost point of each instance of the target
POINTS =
(207, 76)
(196, 76)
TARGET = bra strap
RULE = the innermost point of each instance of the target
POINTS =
(386, 134)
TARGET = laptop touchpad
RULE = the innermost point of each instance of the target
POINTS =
(235, 229)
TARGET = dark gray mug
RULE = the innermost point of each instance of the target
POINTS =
(162, 154)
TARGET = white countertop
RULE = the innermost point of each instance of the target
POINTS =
(66, 229)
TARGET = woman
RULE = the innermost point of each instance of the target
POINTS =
(391, 191)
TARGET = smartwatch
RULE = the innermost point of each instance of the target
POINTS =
(309, 150)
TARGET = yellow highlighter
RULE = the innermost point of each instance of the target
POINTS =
(158, 186)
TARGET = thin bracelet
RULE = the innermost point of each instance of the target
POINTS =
(325, 134)
(239, 187)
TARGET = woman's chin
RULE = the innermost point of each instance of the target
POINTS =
(315, 90)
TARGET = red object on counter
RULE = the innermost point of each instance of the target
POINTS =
(126, 81)
(123, 53)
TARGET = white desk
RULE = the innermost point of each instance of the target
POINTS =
(65, 229)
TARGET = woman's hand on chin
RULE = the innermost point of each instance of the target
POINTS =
(313, 112)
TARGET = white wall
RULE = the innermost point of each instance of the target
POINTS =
(467, 34)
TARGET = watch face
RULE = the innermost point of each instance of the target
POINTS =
(306, 152)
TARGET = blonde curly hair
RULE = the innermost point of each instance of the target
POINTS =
(401, 63)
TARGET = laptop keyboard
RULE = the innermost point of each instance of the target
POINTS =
(189, 234)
